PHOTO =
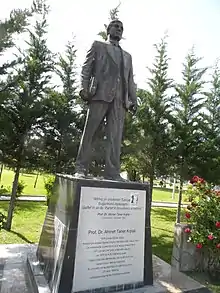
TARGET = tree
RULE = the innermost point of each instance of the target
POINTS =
(131, 147)
(207, 162)
(16, 23)
(153, 115)
(186, 119)
(23, 102)
(62, 131)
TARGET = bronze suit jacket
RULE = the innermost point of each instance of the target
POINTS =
(101, 64)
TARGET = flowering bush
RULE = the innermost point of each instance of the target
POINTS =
(203, 215)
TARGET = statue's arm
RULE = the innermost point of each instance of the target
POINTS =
(87, 67)
(131, 86)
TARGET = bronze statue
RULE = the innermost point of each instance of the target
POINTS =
(107, 85)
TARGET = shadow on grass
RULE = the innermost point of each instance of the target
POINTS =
(165, 213)
(162, 247)
(21, 236)
(22, 206)
(160, 229)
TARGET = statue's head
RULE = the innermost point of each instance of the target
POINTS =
(115, 30)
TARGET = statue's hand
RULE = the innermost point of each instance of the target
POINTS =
(84, 94)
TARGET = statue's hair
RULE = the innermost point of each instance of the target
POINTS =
(111, 23)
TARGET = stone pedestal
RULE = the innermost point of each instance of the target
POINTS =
(185, 257)
(96, 237)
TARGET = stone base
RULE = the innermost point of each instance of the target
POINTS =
(185, 256)
(166, 279)
(96, 236)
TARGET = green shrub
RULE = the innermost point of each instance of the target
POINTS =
(2, 220)
(20, 188)
(48, 185)
(5, 190)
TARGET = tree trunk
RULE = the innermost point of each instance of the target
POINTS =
(1, 171)
(152, 170)
(35, 183)
(151, 186)
(151, 177)
(58, 159)
(13, 198)
(178, 215)
(174, 188)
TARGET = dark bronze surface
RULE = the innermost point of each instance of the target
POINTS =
(107, 85)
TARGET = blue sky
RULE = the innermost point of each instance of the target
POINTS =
(188, 22)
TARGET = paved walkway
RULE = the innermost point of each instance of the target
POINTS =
(13, 275)
(25, 198)
(43, 199)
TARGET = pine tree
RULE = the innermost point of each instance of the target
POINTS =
(189, 102)
(16, 23)
(153, 114)
(62, 133)
(207, 160)
(23, 102)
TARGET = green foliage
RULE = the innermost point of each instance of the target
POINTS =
(186, 116)
(20, 188)
(207, 164)
(16, 23)
(63, 120)
(5, 190)
(153, 114)
(2, 220)
(22, 104)
(48, 185)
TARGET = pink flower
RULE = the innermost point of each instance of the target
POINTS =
(197, 179)
(217, 224)
(210, 237)
(187, 215)
(218, 245)
(199, 245)
(187, 230)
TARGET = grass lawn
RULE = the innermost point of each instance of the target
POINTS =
(159, 194)
(162, 228)
(27, 222)
(29, 216)
(165, 195)
(29, 179)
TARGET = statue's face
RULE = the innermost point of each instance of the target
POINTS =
(116, 30)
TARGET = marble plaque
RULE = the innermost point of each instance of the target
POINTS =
(110, 238)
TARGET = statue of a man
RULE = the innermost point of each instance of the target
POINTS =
(107, 85)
